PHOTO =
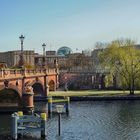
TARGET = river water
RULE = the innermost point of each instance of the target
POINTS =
(94, 120)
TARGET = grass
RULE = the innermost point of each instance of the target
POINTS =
(91, 93)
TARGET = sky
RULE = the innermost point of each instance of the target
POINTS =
(77, 24)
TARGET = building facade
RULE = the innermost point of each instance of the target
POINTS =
(11, 58)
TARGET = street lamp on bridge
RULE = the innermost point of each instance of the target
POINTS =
(44, 46)
(21, 60)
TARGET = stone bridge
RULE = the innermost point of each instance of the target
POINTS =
(16, 79)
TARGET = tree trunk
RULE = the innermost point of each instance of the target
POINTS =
(131, 92)
(133, 85)
(131, 88)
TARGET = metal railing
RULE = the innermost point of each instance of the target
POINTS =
(28, 123)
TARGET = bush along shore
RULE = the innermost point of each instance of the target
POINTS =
(104, 98)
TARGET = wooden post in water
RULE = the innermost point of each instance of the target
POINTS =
(67, 104)
(43, 125)
(50, 106)
(59, 124)
(14, 126)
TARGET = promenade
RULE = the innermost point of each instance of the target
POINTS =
(93, 95)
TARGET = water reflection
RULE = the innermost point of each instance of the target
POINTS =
(98, 120)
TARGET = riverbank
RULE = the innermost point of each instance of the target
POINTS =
(104, 98)
(92, 93)
(84, 95)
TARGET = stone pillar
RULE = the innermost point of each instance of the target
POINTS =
(57, 73)
(46, 86)
(46, 90)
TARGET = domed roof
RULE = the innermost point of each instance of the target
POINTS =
(63, 51)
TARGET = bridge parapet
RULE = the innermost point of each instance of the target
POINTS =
(39, 72)
(16, 79)
(51, 71)
(20, 73)
(11, 73)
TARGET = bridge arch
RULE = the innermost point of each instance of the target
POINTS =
(51, 85)
(38, 88)
(10, 96)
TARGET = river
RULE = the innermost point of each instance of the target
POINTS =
(94, 120)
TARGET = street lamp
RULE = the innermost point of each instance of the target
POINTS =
(44, 46)
(59, 109)
(21, 61)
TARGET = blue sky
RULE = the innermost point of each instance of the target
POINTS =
(73, 23)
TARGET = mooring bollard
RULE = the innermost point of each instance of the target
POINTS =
(14, 126)
(43, 125)
(20, 113)
(50, 106)
(67, 104)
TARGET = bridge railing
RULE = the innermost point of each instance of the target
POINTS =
(51, 71)
(9, 73)
(40, 71)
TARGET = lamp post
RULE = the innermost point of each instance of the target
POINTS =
(44, 46)
(59, 109)
(21, 61)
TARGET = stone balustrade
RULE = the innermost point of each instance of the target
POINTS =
(14, 73)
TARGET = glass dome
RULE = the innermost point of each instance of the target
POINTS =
(63, 51)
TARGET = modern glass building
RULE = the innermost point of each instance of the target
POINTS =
(63, 51)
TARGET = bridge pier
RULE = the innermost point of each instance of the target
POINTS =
(27, 100)
(46, 90)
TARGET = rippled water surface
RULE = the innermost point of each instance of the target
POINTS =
(96, 120)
